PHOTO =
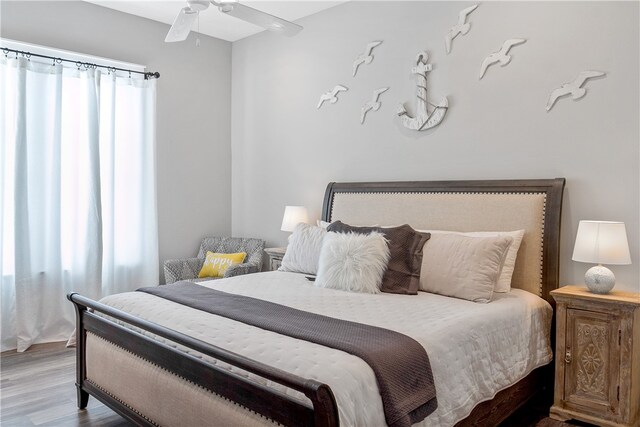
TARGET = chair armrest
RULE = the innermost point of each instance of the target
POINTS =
(238, 269)
(182, 269)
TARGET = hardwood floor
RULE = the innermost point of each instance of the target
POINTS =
(37, 389)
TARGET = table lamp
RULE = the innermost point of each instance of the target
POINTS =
(293, 215)
(601, 242)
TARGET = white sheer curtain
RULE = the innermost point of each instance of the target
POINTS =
(77, 193)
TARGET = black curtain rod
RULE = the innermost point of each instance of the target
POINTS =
(86, 65)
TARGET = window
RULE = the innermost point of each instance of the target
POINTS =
(77, 188)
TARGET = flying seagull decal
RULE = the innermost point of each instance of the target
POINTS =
(372, 104)
(366, 57)
(462, 27)
(500, 56)
(573, 88)
(331, 96)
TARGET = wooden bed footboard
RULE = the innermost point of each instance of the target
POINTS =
(251, 395)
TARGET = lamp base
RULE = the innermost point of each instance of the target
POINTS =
(599, 279)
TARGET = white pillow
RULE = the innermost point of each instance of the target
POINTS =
(504, 282)
(462, 266)
(353, 262)
(303, 250)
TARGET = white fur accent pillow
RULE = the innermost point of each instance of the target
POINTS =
(353, 262)
(303, 250)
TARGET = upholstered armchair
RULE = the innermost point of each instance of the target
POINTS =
(188, 268)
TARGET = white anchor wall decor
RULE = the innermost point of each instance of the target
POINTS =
(372, 104)
(331, 95)
(462, 27)
(366, 57)
(499, 56)
(573, 88)
(424, 119)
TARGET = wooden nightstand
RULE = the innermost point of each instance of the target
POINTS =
(275, 257)
(597, 378)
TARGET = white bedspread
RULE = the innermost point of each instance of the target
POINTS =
(475, 349)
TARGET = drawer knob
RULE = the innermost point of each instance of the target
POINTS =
(567, 357)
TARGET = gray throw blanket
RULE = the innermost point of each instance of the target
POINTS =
(400, 363)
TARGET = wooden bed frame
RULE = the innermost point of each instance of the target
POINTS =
(276, 406)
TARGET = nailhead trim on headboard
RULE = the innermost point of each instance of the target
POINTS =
(544, 215)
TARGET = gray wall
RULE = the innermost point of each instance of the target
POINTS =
(193, 98)
(284, 151)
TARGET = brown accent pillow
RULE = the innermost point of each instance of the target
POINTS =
(405, 244)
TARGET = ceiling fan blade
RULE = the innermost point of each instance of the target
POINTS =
(260, 18)
(181, 25)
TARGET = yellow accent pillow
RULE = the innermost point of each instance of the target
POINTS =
(216, 264)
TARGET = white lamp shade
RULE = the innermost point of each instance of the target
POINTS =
(602, 242)
(293, 215)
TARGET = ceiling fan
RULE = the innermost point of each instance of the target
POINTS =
(187, 15)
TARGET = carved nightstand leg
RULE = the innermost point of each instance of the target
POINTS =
(554, 414)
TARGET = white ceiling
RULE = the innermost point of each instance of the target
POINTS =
(214, 23)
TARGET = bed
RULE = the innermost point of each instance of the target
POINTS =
(157, 364)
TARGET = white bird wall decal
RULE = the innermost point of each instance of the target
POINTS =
(462, 27)
(331, 96)
(372, 104)
(365, 57)
(500, 56)
(573, 88)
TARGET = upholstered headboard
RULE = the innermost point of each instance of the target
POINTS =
(505, 205)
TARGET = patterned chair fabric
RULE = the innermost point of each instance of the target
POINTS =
(188, 268)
